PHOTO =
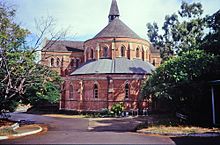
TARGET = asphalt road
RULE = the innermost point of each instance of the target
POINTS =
(75, 131)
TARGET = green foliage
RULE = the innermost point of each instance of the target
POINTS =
(183, 80)
(211, 42)
(181, 32)
(106, 112)
(22, 79)
(43, 90)
(117, 108)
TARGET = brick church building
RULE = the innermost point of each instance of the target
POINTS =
(106, 69)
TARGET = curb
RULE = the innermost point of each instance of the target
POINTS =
(22, 134)
(3, 137)
(28, 133)
(15, 126)
(208, 134)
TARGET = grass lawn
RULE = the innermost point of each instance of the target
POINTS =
(167, 124)
(7, 131)
(162, 129)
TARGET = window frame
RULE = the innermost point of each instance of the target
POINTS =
(95, 91)
(137, 52)
(123, 50)
(71, 92)
(105, 52)
(52, 62)
(127, 91)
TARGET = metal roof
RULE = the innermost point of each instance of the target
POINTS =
(120, 65)
(117, 28)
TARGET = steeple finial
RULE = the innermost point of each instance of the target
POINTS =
(114, 11)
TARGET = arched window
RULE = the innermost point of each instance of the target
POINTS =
(128, 53)
(122, 51)
(154, 62)
(87, 55)
(137, 53)
(91, 54)
(72, 63)
(58, 62)
(77, 62)
(62, 62)
(143, 54)
(96, 91)
(127, 91)
(63, 91)
(105, 52)
(52, 62)
(71, 91)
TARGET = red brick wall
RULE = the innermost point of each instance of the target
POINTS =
(116, 94)
(65, 61)
(114, 49)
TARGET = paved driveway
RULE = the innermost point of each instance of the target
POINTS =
(75, 131)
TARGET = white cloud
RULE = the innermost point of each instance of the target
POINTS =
(87, 17)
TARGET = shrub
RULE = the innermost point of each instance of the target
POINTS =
(117, 108)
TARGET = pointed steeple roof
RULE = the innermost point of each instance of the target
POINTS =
(114, 11)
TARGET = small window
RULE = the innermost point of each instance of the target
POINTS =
(77, 62)
(72, 63)
(71, 92)
(137, 53)
(87, 55)
(143, 54)
(58, 62)
(91, 54)
(154, 62)
(105, 52)
(122, 51)
(62, 62)
(96, 91)
(52, 62)
(127, 91)
(128, 53)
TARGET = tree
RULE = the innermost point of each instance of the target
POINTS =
(181, 32)
(45, 89)
(20, 70)
(183, 81)
(211, 42)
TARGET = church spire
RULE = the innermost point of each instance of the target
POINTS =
(114, 11)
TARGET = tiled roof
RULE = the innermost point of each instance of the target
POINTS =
(117, 28)
(63, 46)
(116, 66)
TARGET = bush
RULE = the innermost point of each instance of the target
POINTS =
(105, 112)
(117, 108)
(184, 82)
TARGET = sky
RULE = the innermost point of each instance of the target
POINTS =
(85, 18)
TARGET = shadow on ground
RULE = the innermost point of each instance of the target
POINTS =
(196, 140)
(117, 125)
